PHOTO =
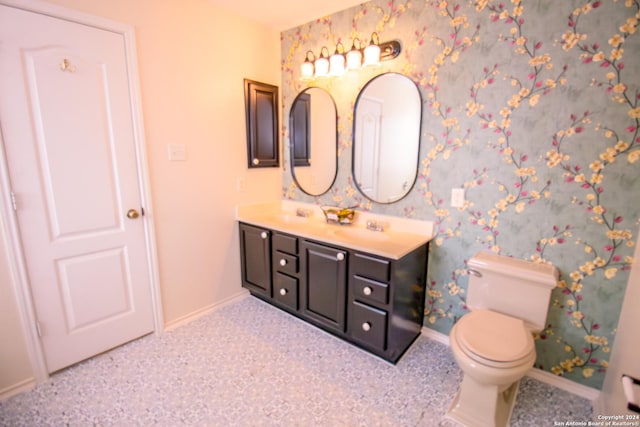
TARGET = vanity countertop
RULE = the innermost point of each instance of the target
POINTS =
(399, 237)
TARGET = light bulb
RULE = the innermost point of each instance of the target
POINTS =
(322, 64)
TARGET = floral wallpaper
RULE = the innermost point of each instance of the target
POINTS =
(533, 109)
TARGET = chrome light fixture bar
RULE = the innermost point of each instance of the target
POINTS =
(356, 58)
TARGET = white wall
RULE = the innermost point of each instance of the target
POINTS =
(192, 58)
(624, 355)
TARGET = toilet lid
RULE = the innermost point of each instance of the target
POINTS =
(497, 339)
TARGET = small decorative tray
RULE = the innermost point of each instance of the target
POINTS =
(340, 216)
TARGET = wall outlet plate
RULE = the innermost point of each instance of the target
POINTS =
(457, 197)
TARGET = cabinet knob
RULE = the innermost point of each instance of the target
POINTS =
(264, 234)
(366, 326)
(283, 262)
(367, 290)
(256, 161)
(340, 256)
(283, 291)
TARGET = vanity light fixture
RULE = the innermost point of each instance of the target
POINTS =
(356, 58)
(322, 63)
(372, 52)
(306, 69)
(337, 62)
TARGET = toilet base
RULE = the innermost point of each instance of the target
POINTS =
(479, 405)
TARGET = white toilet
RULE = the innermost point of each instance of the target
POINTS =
(493, 343)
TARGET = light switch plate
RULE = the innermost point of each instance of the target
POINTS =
(177, 152)
(241, 184)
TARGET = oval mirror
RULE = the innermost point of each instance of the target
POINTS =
(386, 137)
(313, 141)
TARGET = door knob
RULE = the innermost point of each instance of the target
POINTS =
(132, 214)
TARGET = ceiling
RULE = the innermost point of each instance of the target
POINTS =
(285, 14)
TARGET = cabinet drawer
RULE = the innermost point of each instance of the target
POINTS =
(367, 290)
(284, 243)
(285, 263)
(368, 325)
(285, 290)
(373, 268)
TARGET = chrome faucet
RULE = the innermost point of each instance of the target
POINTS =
(374, 225)
(303, 212)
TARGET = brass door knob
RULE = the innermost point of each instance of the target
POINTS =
(132, 214)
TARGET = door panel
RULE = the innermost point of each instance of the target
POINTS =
(60, 105)
(68, 132)
(85, 301)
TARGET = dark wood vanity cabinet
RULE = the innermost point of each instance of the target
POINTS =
(373, 302)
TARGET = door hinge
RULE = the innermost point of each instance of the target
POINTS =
(14, 203)
(38, 329)
(141, 211)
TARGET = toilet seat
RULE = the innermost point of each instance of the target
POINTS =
(494, 339)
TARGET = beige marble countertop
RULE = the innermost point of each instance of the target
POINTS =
(400, 235)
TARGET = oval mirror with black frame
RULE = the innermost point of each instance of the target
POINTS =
(386, 137)
(313, 134)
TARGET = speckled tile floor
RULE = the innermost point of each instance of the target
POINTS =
(249, 364)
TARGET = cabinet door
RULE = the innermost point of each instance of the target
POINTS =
(324, 285)
(261, 105)
(255, 248)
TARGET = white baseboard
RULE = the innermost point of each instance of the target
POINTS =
(562, 383)
(599, 405)
(181, 321)
(435, 335)
(22, 386)
(565, 384)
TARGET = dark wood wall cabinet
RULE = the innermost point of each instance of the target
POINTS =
(369, 301)
(261, 110)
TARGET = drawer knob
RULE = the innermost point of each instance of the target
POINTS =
(283, 291)
(367, 290)
(340, 256)
(283, 262)
(264, 234)
(366, 326)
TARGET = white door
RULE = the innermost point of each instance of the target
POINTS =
(67, 128)
(368, 135)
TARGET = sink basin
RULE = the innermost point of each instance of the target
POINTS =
(291, 218)
(360, 234)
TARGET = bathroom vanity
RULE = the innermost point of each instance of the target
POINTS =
(366, 287)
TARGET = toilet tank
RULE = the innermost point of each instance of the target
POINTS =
(511, 286)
